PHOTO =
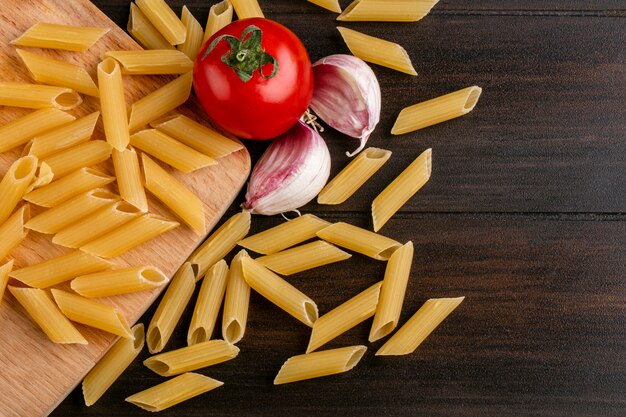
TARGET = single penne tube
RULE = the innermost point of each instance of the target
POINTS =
(43, 176)
(164, 20)
(208, 304)
(144, 32)
(112, 365)
(82, 155)
(236, 301)
(78, 182)
(92, 313)
(199, 137)
(332, 5)
(37, 96)
(160, 101)
(343, 318)
(419, 326)
(96, 224)
(174, 195)
(119, 281)
(436, 110)
(285, 235)
(5, 269)
(318, 364)
(170, 308)
(222, 241)
(392, 292)
(353, 176)
(129, 181)
(401, 189)
(20, 131)
(59, 73)
(129, 235)
(279, 291)
(12, 231)
(191, 358)
(173, 391)
(59, 269)
(15, 183)
(63, 137)
(387, 10)
(220, 15)
(298, 259)
(47, 315)
(195, 34)
(247, 8)
(113, 104)
(145, 62)
(359, 240)
(53, 36)
(377, 51)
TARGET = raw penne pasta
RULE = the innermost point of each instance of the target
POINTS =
(43, 176)
(396, 194)
(220, 15)
(173, 391)
(436, 110)
(119, 281)
(4, 276)
(170, 151)
(236, 301)
(195, 34)
(392, 292)
(164, 19)
(170, 308)
(208, 304)
(113, 104)
(222, 241)
(60, 269)
(353, 176)
(14, 184)
(112, 364)
(191, 358)
(387, 10)
(318, 364)
(377, 51)
(199, 137)
(359, 240)
(96, 224)
(92, 313)
(301, 258)
(144, 32)
(174, 195)
(62, 74)
(131, 234)
(53, 36)
(343, 318)
(160, 101)
(332, 5)
(247, 8)
(129, 181)
(37, 96)
(20, 131)
(78, 182)
(12, 231)
(47, 315)
(162, 61)
(82, 155)
(63, 137)
(279, 291)
(285, 235)
(419, 326)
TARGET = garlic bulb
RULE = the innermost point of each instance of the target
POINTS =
(347, 96)
(291, 172)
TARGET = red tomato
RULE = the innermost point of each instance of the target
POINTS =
(256, 79)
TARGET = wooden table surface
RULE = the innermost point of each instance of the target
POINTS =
(524, 215)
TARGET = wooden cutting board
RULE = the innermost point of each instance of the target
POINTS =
(36, 374)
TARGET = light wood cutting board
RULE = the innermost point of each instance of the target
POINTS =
(36, 374)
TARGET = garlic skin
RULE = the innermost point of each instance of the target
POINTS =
(291, 172)
(347, 96)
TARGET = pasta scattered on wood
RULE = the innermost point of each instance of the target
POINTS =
(247, 8)
(82, 155)
(54, 36)
(144, 32)
(15, 183)
(113, 104)
(129, 179)
(332, 5)
(5, 269)
(64, 137)
(12, 231)
(208, 304)
(164, 20)
(191, 358)
(220, 15)
(20, 131)
(38, 96)
(359, 240)
(387, 10)
(161, 61)
(301, 258)
(195, 34)
(236, 301)
(119, 281)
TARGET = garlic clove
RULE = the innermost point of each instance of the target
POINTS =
(291, 172)
(347, 96)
